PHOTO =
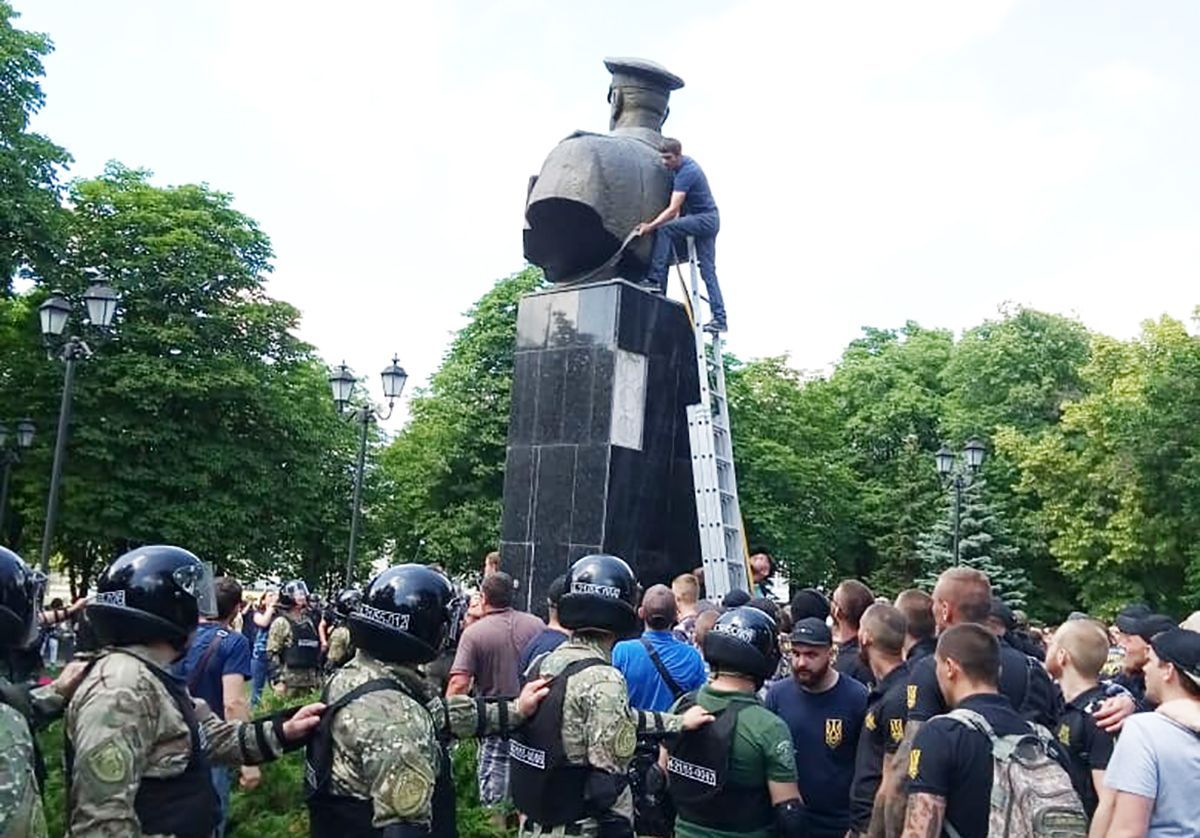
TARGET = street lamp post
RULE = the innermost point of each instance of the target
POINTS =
(100, 303)
(959, 478)
(364, 413)
(10, 457)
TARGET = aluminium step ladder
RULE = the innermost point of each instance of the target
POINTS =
(718, 513)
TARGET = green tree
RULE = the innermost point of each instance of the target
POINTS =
(796, 491)
(1018, 372)
(983, 544)
(203, 422)
(30, 164)
(1118, 479)
(889, 387)
(443, 475)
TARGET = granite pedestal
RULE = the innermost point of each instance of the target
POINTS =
(598, 456)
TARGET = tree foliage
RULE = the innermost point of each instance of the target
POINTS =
(203, 421)
(443, 475)
(983, 544)
(30, 164)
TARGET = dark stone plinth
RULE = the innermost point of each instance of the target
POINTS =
(598, 454)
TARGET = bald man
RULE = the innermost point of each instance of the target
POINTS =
(658, 667)
(1075, 657)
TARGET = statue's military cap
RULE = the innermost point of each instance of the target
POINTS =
(638, 72)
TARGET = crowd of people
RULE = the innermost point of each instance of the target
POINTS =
(623, 712)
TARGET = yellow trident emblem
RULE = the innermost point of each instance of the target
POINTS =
(896, 729)
(833, 732)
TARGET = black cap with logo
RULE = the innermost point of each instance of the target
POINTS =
(811, 632)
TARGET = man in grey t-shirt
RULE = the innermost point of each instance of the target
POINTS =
(489, 655)
(1150, 785)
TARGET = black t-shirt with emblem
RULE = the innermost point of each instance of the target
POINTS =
(1088, 747)
(954, 761)
(825, 728)
(1023, 681)
(883, 728)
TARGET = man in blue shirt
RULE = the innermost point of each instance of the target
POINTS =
(553, 635)
(658, 655)
(216, 669)
(824, 711)
(691, 212)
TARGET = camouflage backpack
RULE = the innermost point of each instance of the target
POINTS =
(1032, 795)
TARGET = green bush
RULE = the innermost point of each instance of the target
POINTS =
(276, 807)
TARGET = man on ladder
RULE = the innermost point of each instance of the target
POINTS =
(690, 196)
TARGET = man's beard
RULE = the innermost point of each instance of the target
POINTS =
(810, 677)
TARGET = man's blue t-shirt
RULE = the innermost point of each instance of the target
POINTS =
(690, 179)
(549, 640)
(825, 729)
(230, 657)
(647, 689)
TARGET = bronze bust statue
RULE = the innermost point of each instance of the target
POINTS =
(594, 188)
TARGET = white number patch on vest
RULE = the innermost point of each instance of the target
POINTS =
(530, 756)
(692, 771)
(110, 598)
(307, 643)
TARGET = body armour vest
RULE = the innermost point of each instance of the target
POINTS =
(304, 652)
(698, 777)
(343, 816)
(185, 805)
(544, 786)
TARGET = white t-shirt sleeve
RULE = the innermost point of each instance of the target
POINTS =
(1134, 765)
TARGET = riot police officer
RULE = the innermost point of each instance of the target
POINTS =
(569, 763)
(341, 646)
(138, 745)
(739, 773)
(377, 765)
(21, 765)
(293, 644)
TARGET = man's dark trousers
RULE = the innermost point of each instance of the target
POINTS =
(703, 227)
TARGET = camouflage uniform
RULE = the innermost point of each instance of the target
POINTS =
(386, 747)
(20, 804)
(124, 726)
(279, 638)
(339, 646)
(21, 813)
(599, 728)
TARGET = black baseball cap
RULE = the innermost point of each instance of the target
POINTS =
(1152, 624)
(809, 603)
(1182, 648)
(1003, 613)
(812, 632)
(1129, 616)
(735, 599)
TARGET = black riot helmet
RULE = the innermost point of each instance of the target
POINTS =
(743, 641)
(404, 615)
(345, 603)
(601, 593)
(150, 594)
(21, 589)
(293, 592)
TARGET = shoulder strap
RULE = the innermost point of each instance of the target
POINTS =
(202, 664)
(671, 683)
(973, 720)
(365, 689)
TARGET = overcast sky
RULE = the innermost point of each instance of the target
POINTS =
(873, 163)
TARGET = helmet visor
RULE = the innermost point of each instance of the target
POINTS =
(35, 585)
(197, 580)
